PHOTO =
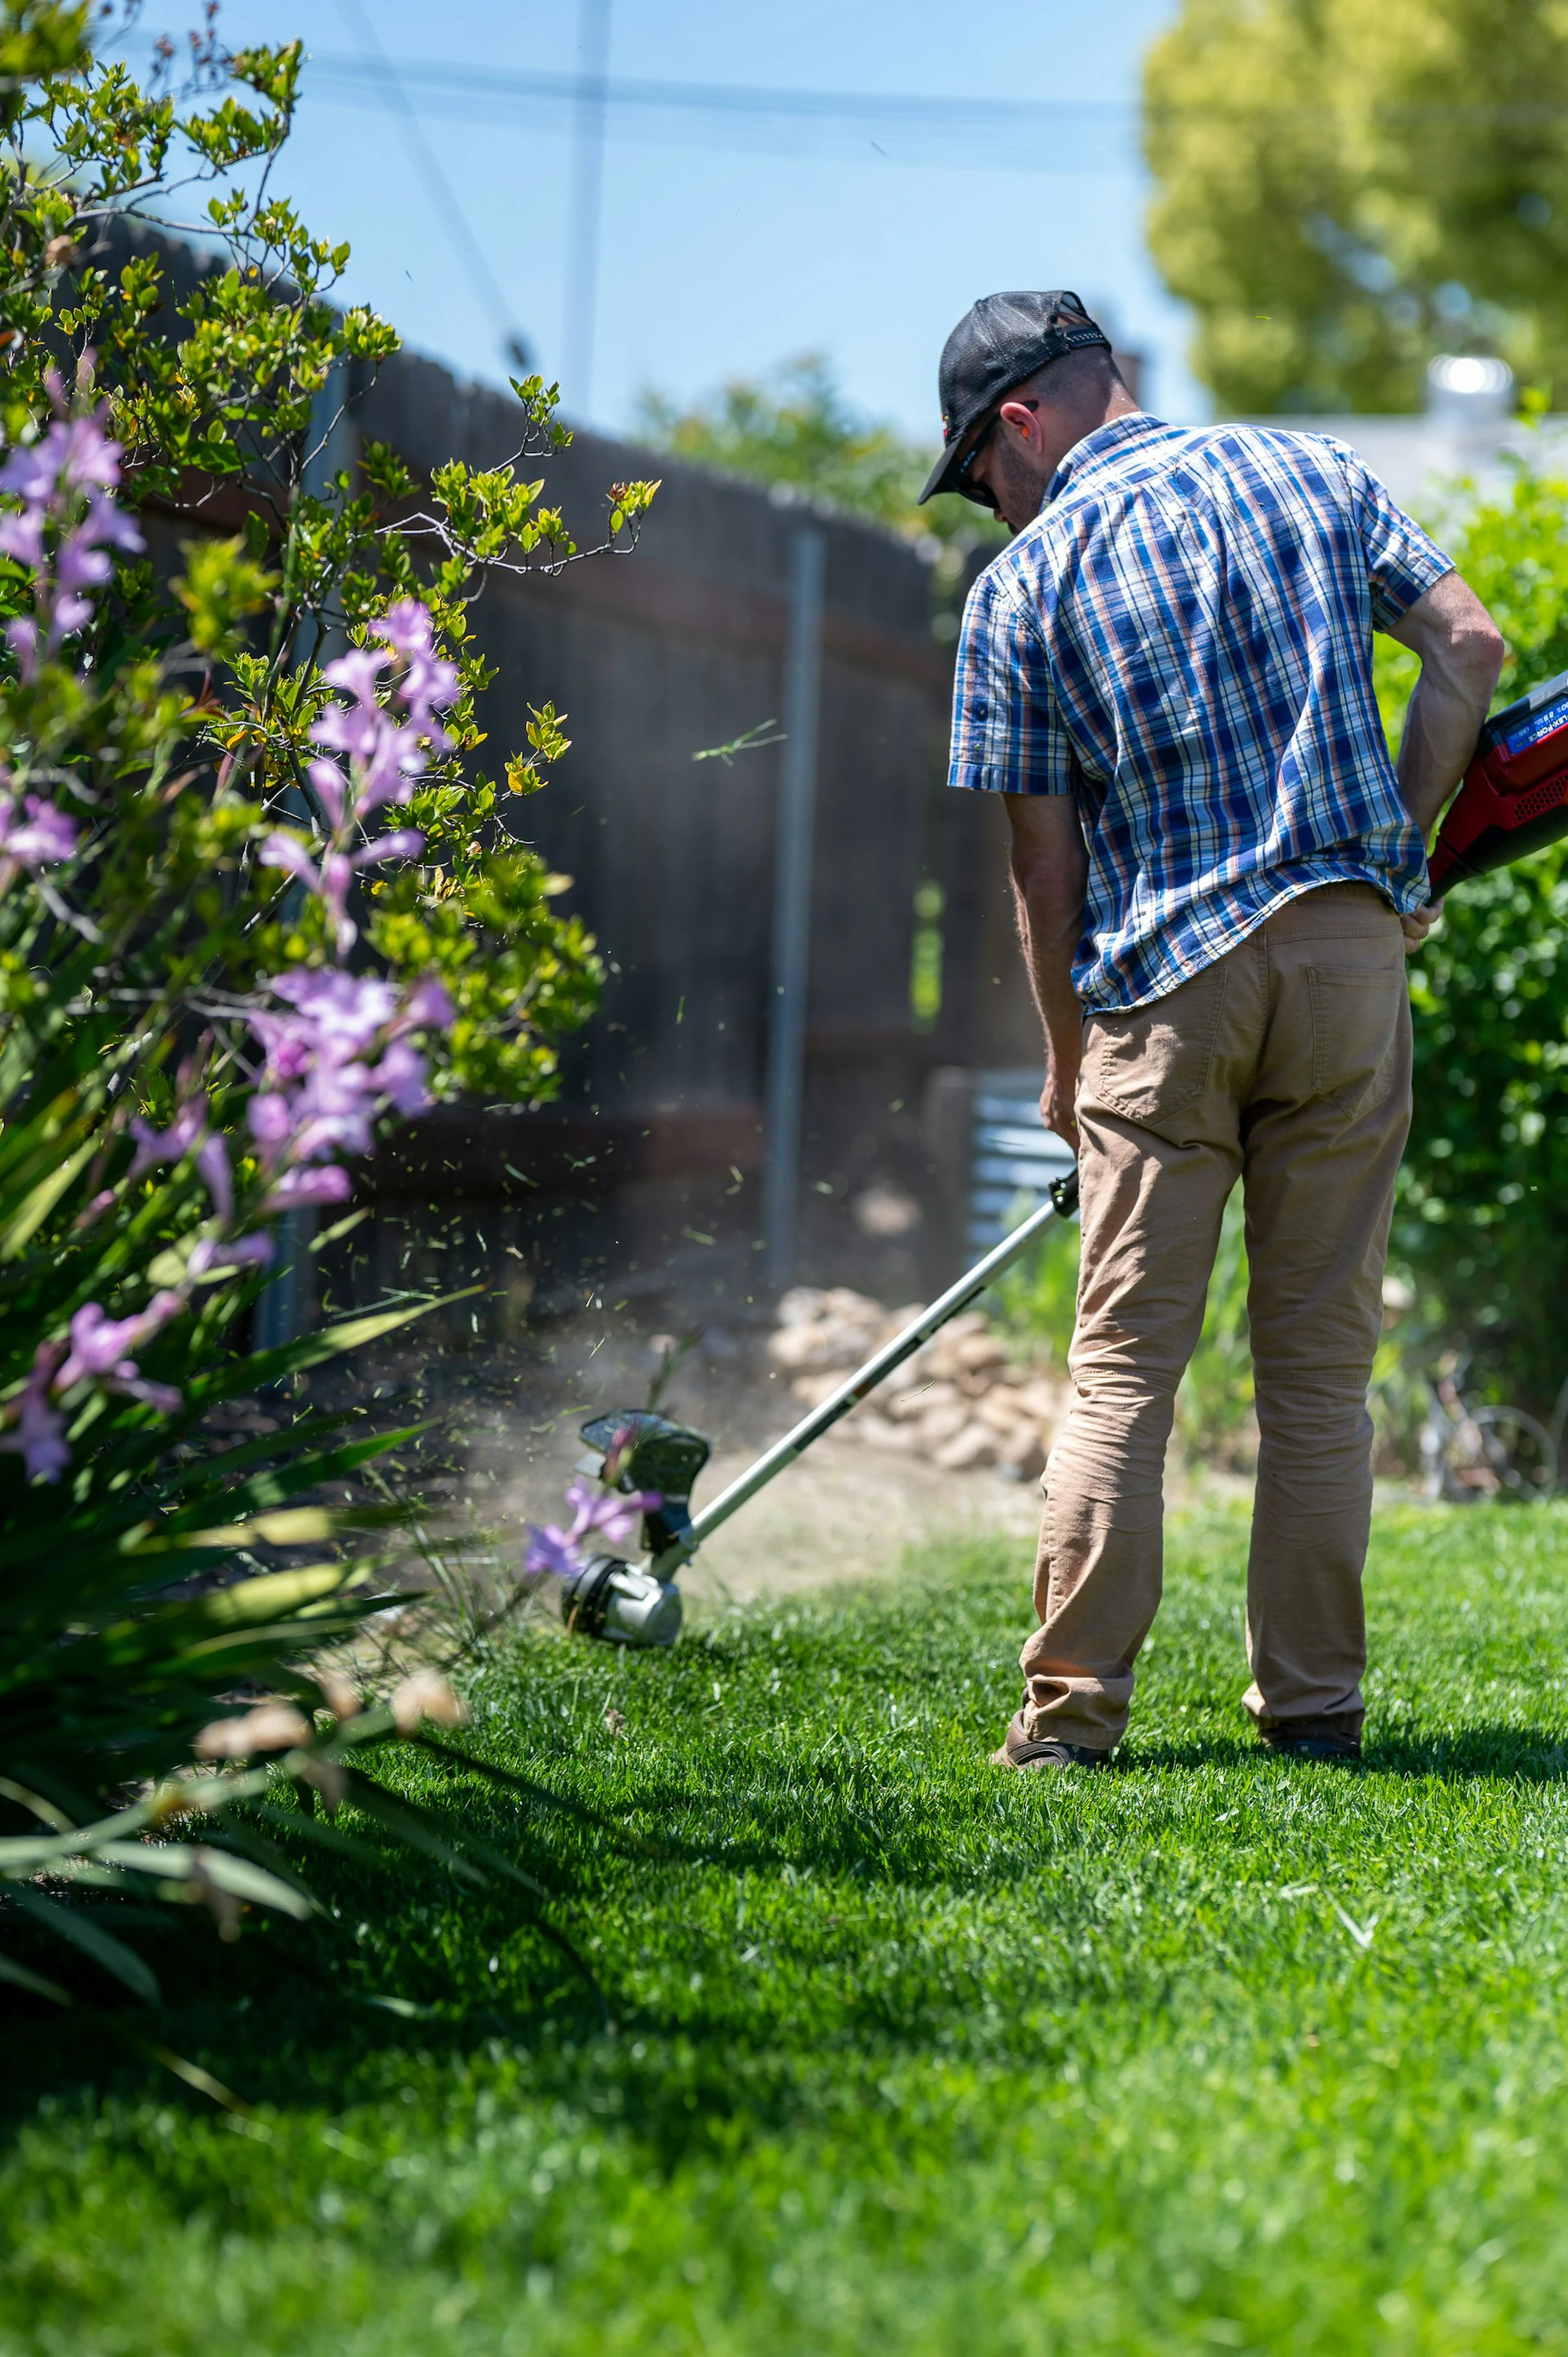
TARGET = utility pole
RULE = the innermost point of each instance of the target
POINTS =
(580, 302)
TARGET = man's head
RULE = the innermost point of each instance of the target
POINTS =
(1024, 377)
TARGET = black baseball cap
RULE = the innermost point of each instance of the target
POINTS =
(998, 343)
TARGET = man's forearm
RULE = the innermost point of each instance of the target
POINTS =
(1050, 906)
(1050, 881)
(1050, 926)
(1440, 731)
(1461, 652)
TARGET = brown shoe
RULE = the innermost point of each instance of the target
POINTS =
(1018, 1751)
(1331, 1734)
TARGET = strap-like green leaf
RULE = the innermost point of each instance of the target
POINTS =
(34, 1983)
(36, 1206)
(68, 1922)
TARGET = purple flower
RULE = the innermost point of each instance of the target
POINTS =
(331, 881)
(349, 1009)
(81, 565)
(403, 843)
(270, 1122)
(286, 851)
(388, 775)
(329, 1183)
(72, 457)
(212, 1161)
(595, 1513)
(240, 1252)
(83, 456)
(327, 779)
(187, 1130)
(39, 1436)
(22, 638)
(22, 536)
(42, 839)
(613, 1515)
(400, 1076)
(100, 1346)
(356, 670)
(429, 683)
(351, 729)
(427, 1007)
(171, 1145)
(406, 627)
(551, 1549)
(320, 1088)
(105, 521)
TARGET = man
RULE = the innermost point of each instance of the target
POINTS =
(1168, 678)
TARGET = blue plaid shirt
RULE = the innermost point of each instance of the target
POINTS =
(1183, 641)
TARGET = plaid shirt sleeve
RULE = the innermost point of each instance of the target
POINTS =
(1008, 735)
(1403, 564)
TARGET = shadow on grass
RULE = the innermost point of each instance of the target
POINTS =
(1509, 1753)
(294, 2016)
(1504, 1754)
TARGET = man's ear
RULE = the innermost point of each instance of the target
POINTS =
(1023, 421)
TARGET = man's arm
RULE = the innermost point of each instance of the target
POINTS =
(1050, 880)
(1461, 649)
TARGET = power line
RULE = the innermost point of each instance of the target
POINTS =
(656, 109)
(443, 87)
(388, 80)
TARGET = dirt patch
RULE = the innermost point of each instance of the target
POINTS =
(504, 1442)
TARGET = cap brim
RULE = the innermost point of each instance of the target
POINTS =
(946, 466)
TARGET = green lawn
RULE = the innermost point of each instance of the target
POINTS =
(896, 2052)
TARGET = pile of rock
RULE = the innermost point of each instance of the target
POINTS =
(962, 1403)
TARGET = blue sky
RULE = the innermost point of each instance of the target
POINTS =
(730, 241)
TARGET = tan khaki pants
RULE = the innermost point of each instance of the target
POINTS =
(1287, 1064)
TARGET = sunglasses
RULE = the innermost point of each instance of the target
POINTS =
(960, 481)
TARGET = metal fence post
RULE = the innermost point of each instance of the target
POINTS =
(793, 906)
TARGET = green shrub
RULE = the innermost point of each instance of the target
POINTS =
(1479, 1219)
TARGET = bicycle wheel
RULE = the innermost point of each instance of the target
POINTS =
(1497, 1455)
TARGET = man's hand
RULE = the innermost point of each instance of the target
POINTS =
(1050, 879)
(1058, 1100)
(1417, 926)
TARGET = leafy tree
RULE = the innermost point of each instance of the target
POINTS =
(1344, 190)
(1479, 1217)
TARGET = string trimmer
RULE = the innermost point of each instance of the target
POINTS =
(632, 1604)
(1514, 799)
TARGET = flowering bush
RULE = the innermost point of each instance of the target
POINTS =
(252, 906)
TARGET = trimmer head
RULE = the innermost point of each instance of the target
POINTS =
(624, 1606)
(617, 1601)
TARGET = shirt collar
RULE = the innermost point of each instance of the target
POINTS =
(1096, 450)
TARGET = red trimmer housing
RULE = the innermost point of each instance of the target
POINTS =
(1514, 798)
